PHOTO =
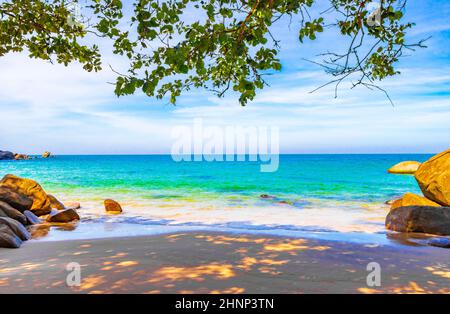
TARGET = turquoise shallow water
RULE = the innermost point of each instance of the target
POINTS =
(318, 193)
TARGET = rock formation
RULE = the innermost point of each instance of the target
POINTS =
(405, 167)
(112, 207)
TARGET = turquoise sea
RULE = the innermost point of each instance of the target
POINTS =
(326, 196)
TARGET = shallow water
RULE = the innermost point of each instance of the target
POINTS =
(337, 196)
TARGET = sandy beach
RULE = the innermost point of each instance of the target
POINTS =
(205, 262)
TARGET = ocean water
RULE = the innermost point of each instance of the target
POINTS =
(320, 195)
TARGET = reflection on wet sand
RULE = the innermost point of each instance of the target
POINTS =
(42, 230)
(221, 263)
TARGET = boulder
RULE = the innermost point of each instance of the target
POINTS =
(18, 229)
(440, 242)
(16, 200)
(8, 239)
(31, 189)
(54, 203)
(5, 155)
(433, 177)
(112, 207)
(46, 155)
(74, 205)
(66, 215)
(32, 219)
(12, 213)
(21, 157)
(405, 167)
(410, 199)
(424, 219)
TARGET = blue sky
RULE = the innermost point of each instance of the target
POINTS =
(68, 111)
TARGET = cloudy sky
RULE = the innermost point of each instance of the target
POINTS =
(68, 111)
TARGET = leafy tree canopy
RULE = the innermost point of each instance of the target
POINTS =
(175, 45)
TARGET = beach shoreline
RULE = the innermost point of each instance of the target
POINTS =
(215, 262)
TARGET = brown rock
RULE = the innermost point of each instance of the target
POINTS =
(46, 155)
(54, 203)
(112, 206)
(18, 229)
(8, 239)
(425, 219)
(12, 213)
(66, 215)
(74, 205)
(31, 189)
(16, 200)
(433, 177)
(410, 199)
(405, 167)
(32, 219)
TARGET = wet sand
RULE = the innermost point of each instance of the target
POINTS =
(201, 262)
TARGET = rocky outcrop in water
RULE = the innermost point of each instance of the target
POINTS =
(405, 167)
(46, 155)
(21, 157)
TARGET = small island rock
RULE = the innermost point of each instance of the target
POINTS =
(21, 157)
(5, 155)
(405, 167)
